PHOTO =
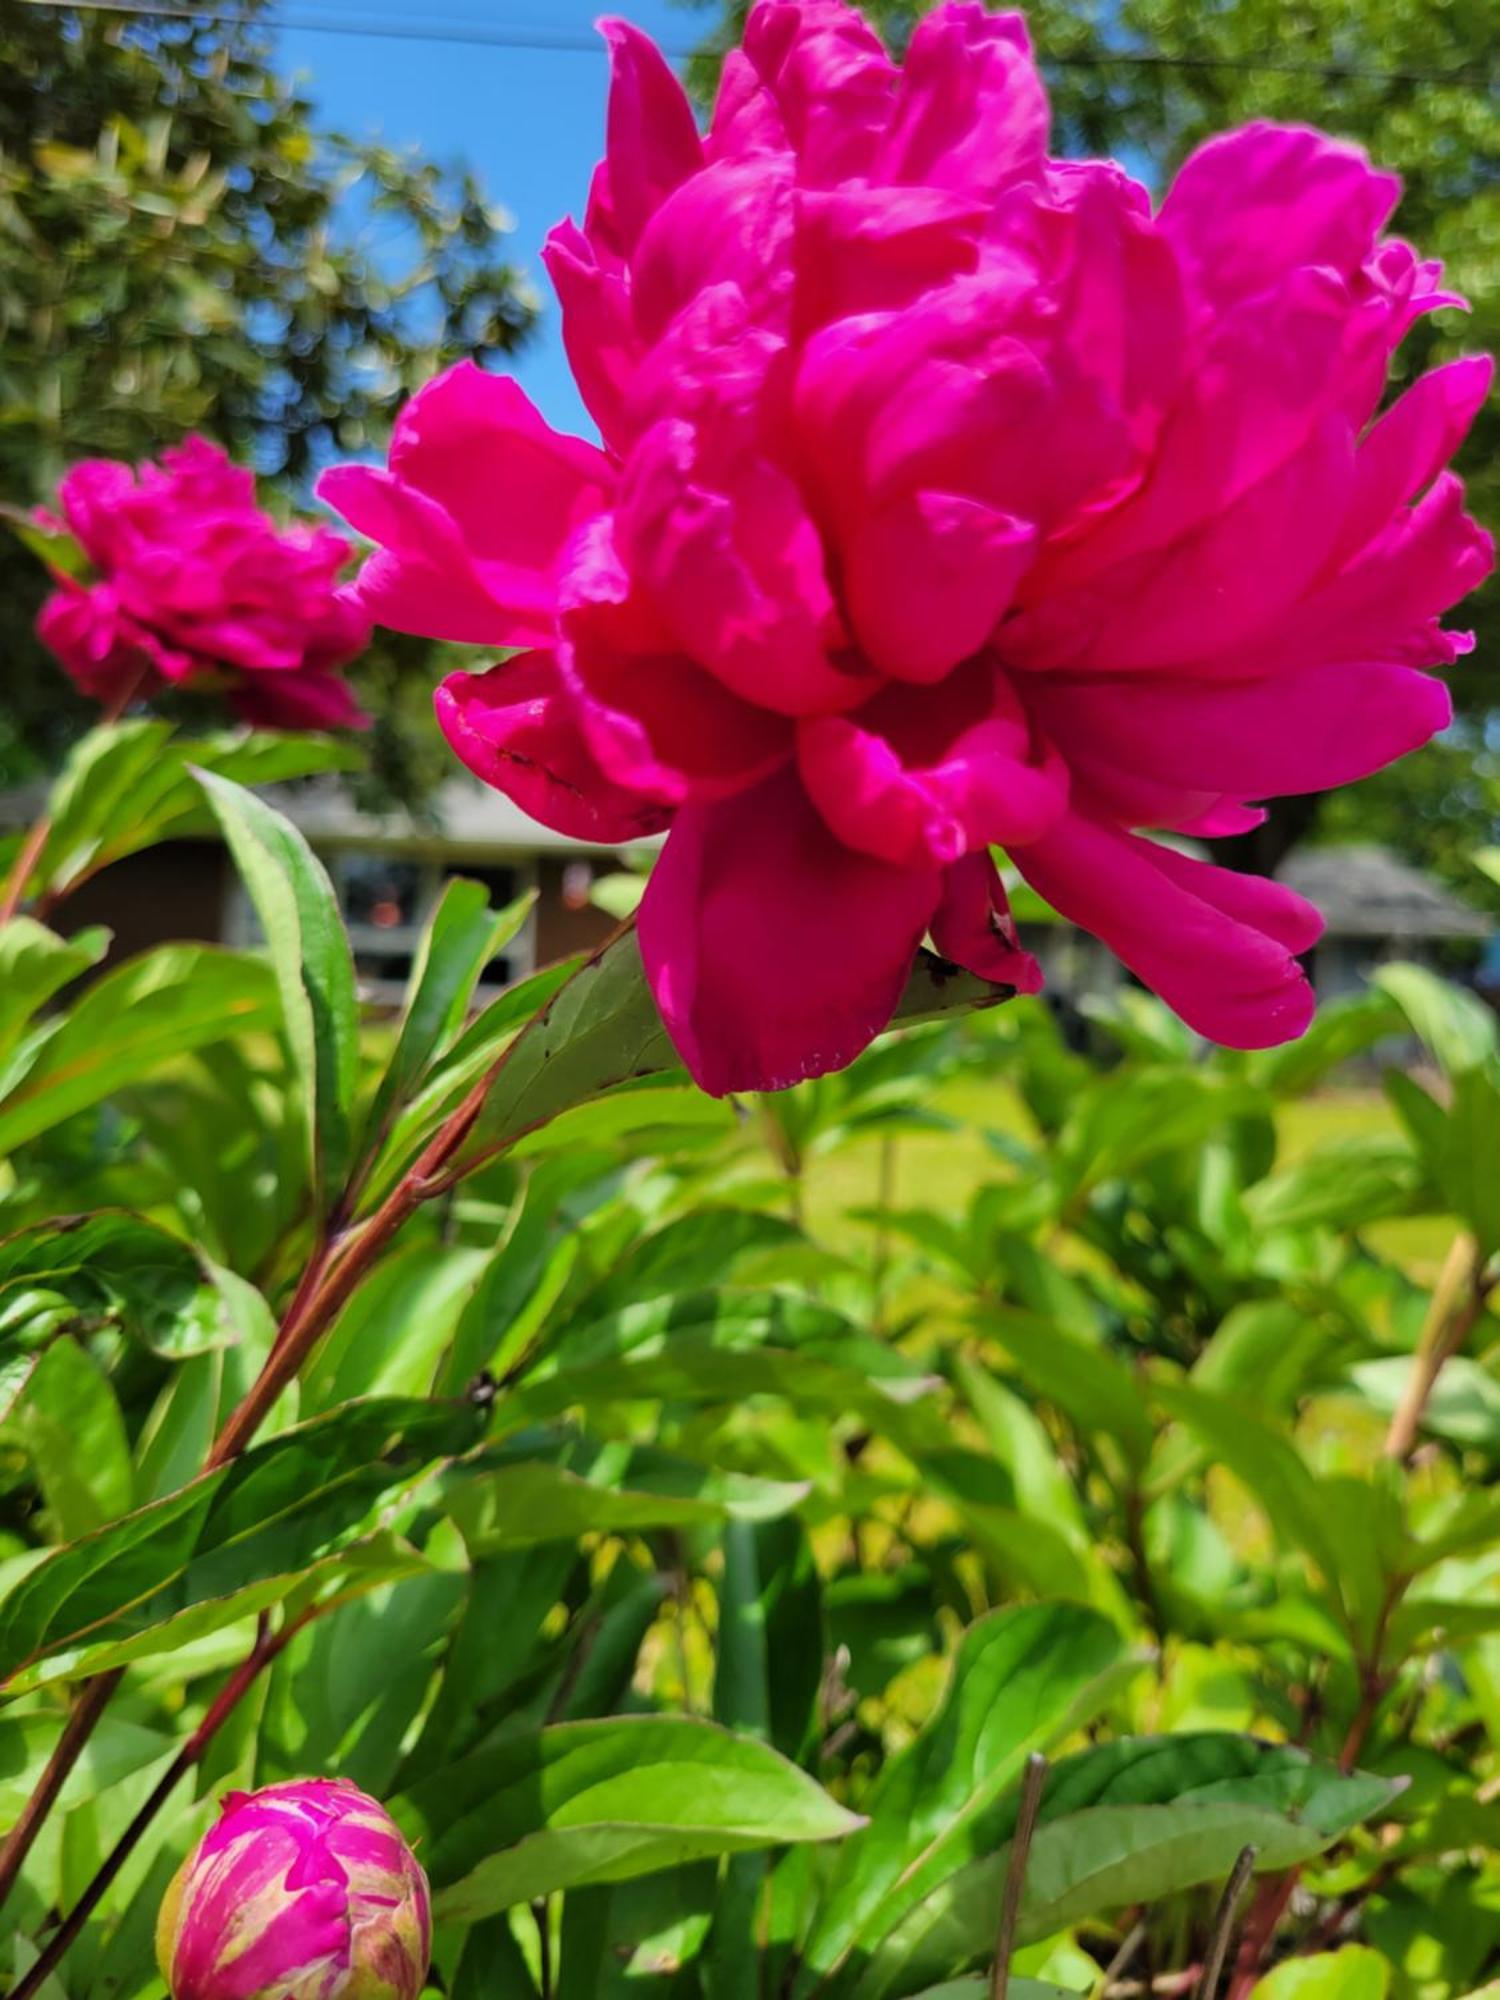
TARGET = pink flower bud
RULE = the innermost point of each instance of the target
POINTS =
(304, 1891)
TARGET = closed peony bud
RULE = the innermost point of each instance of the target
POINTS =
(304, 1891)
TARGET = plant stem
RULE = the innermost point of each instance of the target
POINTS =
(1218, 1946)
(25, 861)
(1015, 1874)
(1457, 1302)
(338, 1264)
(93, 1697)
(266, 1648)
(1276, 1893)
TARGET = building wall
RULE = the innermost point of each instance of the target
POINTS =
(167, 894)
(565, 921)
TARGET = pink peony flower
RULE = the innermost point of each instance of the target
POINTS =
(196, 587)
(950, 499)
(303, 1891)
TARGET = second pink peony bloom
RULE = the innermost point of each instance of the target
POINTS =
(195, 586)
(950, 498)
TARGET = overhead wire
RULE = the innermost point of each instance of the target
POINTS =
(568, 42)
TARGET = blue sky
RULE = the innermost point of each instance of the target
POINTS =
(530, 121)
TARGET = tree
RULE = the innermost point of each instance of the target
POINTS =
(1419, 86)
(180, 250)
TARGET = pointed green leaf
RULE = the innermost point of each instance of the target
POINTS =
(150, 1011)
(590, 1802)
(314, 967)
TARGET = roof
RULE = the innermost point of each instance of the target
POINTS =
(1366, 891)
(465, 819)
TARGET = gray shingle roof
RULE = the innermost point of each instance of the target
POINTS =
(1366, 891)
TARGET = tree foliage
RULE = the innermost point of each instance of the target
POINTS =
(181, 250)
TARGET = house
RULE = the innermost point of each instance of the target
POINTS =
(1376, 907)
(389, 868)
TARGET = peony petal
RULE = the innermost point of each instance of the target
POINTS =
(655, 720)
(932, 773)
(733, 223)
(1253, 204)
(1388, 602)
(473, 514)
(971, 113)
(1221, 589)
(831, 80)
(653, 142)
(928, 577)
(973, 927)
(478, 445)
(307, 700)
(737, 573)
(775, 954)
(516, 727)
(1217, 947)
(598, 331)
(424, 579)
(1411, 444)
(877, 249)
(1305, 731)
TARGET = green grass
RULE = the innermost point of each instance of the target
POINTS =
(942, 1170)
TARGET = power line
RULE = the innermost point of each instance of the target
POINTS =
(548, 41)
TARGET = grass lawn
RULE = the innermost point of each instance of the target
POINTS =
(941, 1170)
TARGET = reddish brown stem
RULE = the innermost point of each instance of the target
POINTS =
(338, 1265)
(93, 1697)
(267, 1647)
(25, 861)
(1276, 1893)
(341, 1274)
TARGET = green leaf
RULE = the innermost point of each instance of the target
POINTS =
(1342, 1029)
(131, 785)
(1267, 1463)
(1128, 1119)
(68, 1423)
(602, 1029)
(314, 967)
(587, 1802)
(1468, 1167)
(1133, 1821)
(689, 1371)
(272, 1514)
(55, 547)
(1096, 1392)
(462, 937)
(599, 1030)
(1455, 1024)
(455, 1073)
(114, 1267)
(1352, 1973)
(1023, 1679)
(1346, 1185)
(34, 964)
(1463, 1404)
(391, 1337)
(150, 1011)
(533, 1490)
(769, 1656)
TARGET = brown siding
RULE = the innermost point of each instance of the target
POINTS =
(561, 931)
(171, 892)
